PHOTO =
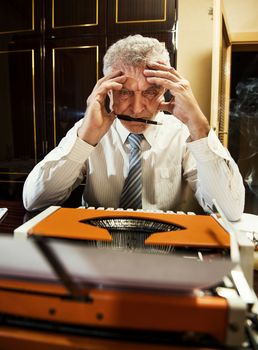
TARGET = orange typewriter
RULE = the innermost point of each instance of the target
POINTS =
(113, 279)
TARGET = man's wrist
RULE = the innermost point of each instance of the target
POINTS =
(199, 133)
(88, 137)
(198, 129)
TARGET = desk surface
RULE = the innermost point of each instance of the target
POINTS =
(17, 215)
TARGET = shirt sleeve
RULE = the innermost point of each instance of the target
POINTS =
(52, 180)
(217, 177)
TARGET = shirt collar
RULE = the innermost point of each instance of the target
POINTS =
(122, 131)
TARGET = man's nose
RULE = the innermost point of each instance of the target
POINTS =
(137, 103)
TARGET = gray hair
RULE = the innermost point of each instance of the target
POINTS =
(136, 51)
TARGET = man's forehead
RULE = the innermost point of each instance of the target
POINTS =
(136, 80)
(138, 84)
(133, 72)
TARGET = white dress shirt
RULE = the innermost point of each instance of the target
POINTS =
(170, 161)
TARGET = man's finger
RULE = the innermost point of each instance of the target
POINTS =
(166, 74)
(162, 66)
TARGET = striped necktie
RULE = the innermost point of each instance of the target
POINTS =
(131, 196)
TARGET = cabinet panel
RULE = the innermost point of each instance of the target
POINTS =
(19, 103)
(70, 13)
(136, 11)
(77, 17)
(20, 16)
(75, 69)
(18, 70)
(132, 16)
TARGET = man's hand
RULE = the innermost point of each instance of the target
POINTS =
(183, 104)
(97, 120)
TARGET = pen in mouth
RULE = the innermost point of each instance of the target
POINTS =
(138, 120)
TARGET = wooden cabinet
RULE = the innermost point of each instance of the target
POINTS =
(51, 55)
(141, 16)
(72, 68)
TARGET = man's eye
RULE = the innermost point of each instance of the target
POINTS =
(150, 93)
(124, 92)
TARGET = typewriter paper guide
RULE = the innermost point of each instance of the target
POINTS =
(111, 268)
(198, 230)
